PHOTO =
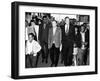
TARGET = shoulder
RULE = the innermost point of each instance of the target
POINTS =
(34, 42)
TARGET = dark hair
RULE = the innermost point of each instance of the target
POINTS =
(31, 34)
(44, 17)
(31, 22)
(83, 25)
(28, 13)
(78, 27)
(67, 17)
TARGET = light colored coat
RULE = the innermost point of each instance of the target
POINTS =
(57, 37)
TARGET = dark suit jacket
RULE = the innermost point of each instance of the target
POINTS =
(40, 34)
(44, 32)
(77, 39)
(67, 38)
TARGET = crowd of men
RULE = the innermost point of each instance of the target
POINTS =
(47, 37)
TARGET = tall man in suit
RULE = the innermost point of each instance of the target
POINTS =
(54, 43)
(67, 42)
(44, 39)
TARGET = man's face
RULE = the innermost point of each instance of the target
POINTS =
(30, 38)
(76, 29)
(82, 28)
(54, 24)
(45, 20)
(39, 22)
(67, 21)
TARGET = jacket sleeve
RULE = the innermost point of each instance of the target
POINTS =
(49, 39)
(60, 36)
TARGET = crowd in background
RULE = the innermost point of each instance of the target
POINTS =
(45, 36)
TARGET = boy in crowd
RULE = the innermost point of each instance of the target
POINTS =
(32, 48)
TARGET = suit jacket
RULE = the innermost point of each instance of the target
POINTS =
(57, 37)
(87, 36)
(40, 34)
(69, 37)
(44, 32)
(77, 39)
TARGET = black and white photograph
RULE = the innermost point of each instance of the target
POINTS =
(51, 40)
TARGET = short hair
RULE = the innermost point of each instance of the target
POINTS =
(31, 34)
(44, 17)
(67, 17)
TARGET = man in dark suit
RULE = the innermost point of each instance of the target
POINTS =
(44, 38)
(67, 42)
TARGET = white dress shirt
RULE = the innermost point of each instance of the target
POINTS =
(32, 47)
(66, 28)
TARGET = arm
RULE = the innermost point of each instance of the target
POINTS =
(49, 39)
(36, 47)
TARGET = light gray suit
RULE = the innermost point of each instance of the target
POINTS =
(57, 37)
